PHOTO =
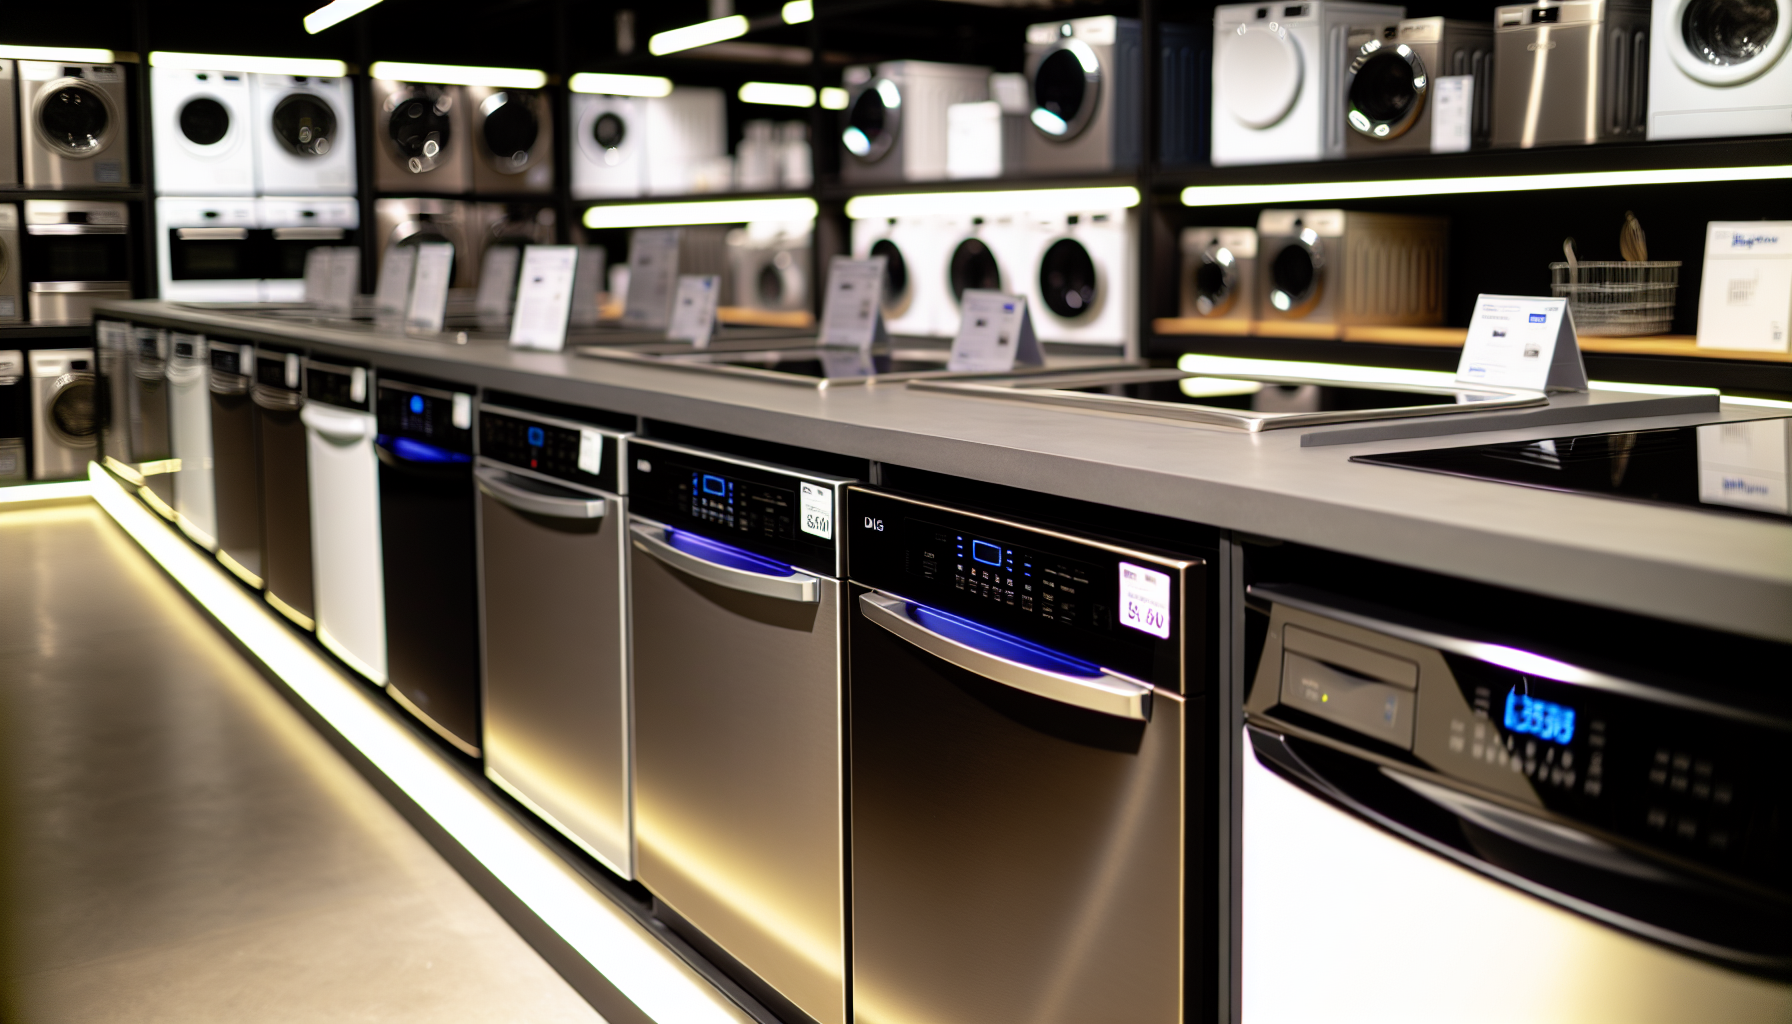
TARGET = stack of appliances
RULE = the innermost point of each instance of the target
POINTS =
(343, 473)
(553, 556)
(637, 145)
(76, 254)
(190, 419)
(64, 420)
(279, 397)
(236, 459)
(15, 418)
(427, 543)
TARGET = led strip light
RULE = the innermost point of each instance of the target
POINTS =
(1035, 200)
(710, 211)
(1336, 191)
(664, 987)
(304, 67)
(62, 490)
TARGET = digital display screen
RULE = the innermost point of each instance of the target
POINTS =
(1540, 718)
(987, 553)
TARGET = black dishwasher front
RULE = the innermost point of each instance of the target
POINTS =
(427, 536)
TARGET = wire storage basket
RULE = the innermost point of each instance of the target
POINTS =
(1617, 297)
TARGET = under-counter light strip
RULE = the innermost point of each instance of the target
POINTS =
(303, 67)
(71, 54)
(60, 490)
(701, 34)
(597, 83)
(713, 211)
(455, 74)
(639, 965)
(1337, 191)
(1040, 200)
(335, 13)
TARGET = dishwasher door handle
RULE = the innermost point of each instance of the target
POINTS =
(1105, 692)
(336, 428)
(798, 587)
(496, 485)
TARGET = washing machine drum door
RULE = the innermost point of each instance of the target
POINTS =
(895, 275)
(1259, 75)
(1294, 277)
(204, 121)
(1214, 278)
(1067, 280)
(1727, 42)
(305, 125)
(1066, 89)
(75, 118)
(778, 286)
(1387, 88)
(70, 411)
(973, 266)
(609, 131)
(419, 128)
(510, 129)
(873, 120)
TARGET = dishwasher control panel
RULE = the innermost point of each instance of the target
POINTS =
(566, 450)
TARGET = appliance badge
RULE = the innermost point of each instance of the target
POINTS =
(873, 523)
(1742, 241)
(1542, 44)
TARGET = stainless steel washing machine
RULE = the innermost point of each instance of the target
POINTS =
(1219, 277)
(1323, 270)
(15, 417)
(894, 124)
(12, 265)
(1087, 79)
(9, 124)
(421, 138)
(768, 267)
(1389, 77)
(513, 136)
(75, 125)
(64, 421)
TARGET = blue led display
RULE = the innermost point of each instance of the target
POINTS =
(1540, 718)
(417, 403)
(987, 553)
(714, 485)
(537, 437)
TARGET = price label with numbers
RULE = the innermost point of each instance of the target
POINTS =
(818, 511)
(1145, 600)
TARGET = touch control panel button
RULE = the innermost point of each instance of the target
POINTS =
(1352, 657)
(1373, 708)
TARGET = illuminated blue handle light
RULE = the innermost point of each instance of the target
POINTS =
(418, 451)
(1540, 718)
(1000, 644)
(725, 554)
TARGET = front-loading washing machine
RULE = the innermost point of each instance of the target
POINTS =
(416, 221)
(915, 251)
(421, 138)
(304, 135)
(1086, 78)
(76, 255)
(768, 263)
(1719, 67)
(1279, 76)
(208, 250)
(610, 140)
(74, 125)
(203, 123)
(894, 124)
(1572, 73)
(1219, 277)
(991, 253)
(15, 417)
(12, 266)
(1082, 280)
(9, 124)
(290, 228)
(1388, 75)
(1323, 270)
(513, 140)
(64, 422)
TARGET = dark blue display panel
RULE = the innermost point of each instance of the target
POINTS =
(544, 447)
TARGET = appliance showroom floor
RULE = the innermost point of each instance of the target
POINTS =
(178, 844)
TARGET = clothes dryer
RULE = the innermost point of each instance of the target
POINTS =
(15, 418)
(208, 250)
(203, 125)
(1324, 269)
(147, 398)
(345, 515)
(278, 394)
(915, 250)
(12, 266)
(894, 124)
(513, 136)
(610, 141)
(64, 423)
(9, 123)
(289, 228)
(1388, 80)
(1572, 73)
(1086, 80)
(74, 125)
(992, 253)
(1279, 78)
(1719, 67)
(768, 265)
(1082, 281)
(77, 255)
(236, 460)
(421, 138)
(190, 415)
(304, 134)
(1219, 277)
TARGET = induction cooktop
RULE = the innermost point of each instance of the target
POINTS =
(1740, 467)
(817, 366)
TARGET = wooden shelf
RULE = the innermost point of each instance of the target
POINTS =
(743, 316)
(1678, 345)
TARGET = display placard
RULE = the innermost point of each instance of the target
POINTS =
(497, 282)
(995, 334)
(694, 309)
(852, 313)
(1522, 341)
(392, 295)
(544, 297)
(587, 286)
(429, 288)
(344, 282)
(652, 276)
(1452, 113)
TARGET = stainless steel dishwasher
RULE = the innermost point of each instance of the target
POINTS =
(735, 602)
(1030, 773)
(148, 398)
(279, 398)
(236, 460)
(553, 561)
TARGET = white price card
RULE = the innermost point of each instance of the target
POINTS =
(497, 282)
(852, 313)
(544, 297)
(1522, 341)
(291, 369)
(994, 334)
(818, 511)
(392, 295)
(591, 451)
(429, 288)
(317, 273)
(461, 410)
(1145, 600)
(1452, 113)
(344, 281)
(652, 274)
(694, 309)
(587, 287)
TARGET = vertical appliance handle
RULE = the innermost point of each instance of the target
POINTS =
(1105, 693)
(496, 485)
(798, 587)
(336, 428)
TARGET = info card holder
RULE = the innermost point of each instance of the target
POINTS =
(1524, 342)
(544, 297)
(428, 305)
(852, 313)
(994, 335)
(694, 309)
(652, 276)
(392, 295)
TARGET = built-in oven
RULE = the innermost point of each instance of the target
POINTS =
(208, 250)
(76, 255)
(288, 229)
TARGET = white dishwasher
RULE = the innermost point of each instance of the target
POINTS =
(345, 515)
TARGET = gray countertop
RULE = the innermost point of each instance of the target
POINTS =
(1721, 571)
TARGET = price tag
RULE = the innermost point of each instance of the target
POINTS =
(317, 273)
(587, 284)
(292, 370)
(392, 295)
(1145, 600)
(591, 451)
(461, 411)
(344, 281)
(652, 275)
(544, 297)
(429, 288)
(818, 511)
(497, 282)
(852, 314)
(1452, 113)
(1520, 341)
(995, 334)
(694, 309)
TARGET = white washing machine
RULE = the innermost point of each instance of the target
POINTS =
(74, 125)
(915, 251)
(1719, 67)
(1278, 78)
(993, 253)
(608, 155)
(190, 415)
(12, 267)
(894, 124)
(343, 470)
(513, 140)
(9, 123)
(290, 228)
(422, 138)
(768, 263)
(1219, 277)
(206, 250)
(1081, 280)
(304, 135)
(202, 132)
(64, 420)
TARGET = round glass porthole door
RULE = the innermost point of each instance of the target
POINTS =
(71, 413)
(1386, 90)
(1213, 280)
(1294, 276)
(1067, 281)
(304, 125)
(1258, 74)
(204, 121)
(609, 131)
(895, 276)
(873, 120)
(510, 129)
(75, 118)
(973, 266)
(1727, 42)
(1066, 89)
(779, 286)
(419, 128)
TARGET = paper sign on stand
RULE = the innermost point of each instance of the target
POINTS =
(1522, 341)
(587, 283)
(317, 273)
(497, 282)
(392, 295)
(544, 297)
(1452, 113)
(694, 309)
(995, 334)
(852, 314)
(429, 289)
(652, 275)
(344, 281)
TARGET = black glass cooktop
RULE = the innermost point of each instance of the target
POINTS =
(832, 364)
(1258, 396)
(1725, 467)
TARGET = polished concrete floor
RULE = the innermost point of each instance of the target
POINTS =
(177, 844)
